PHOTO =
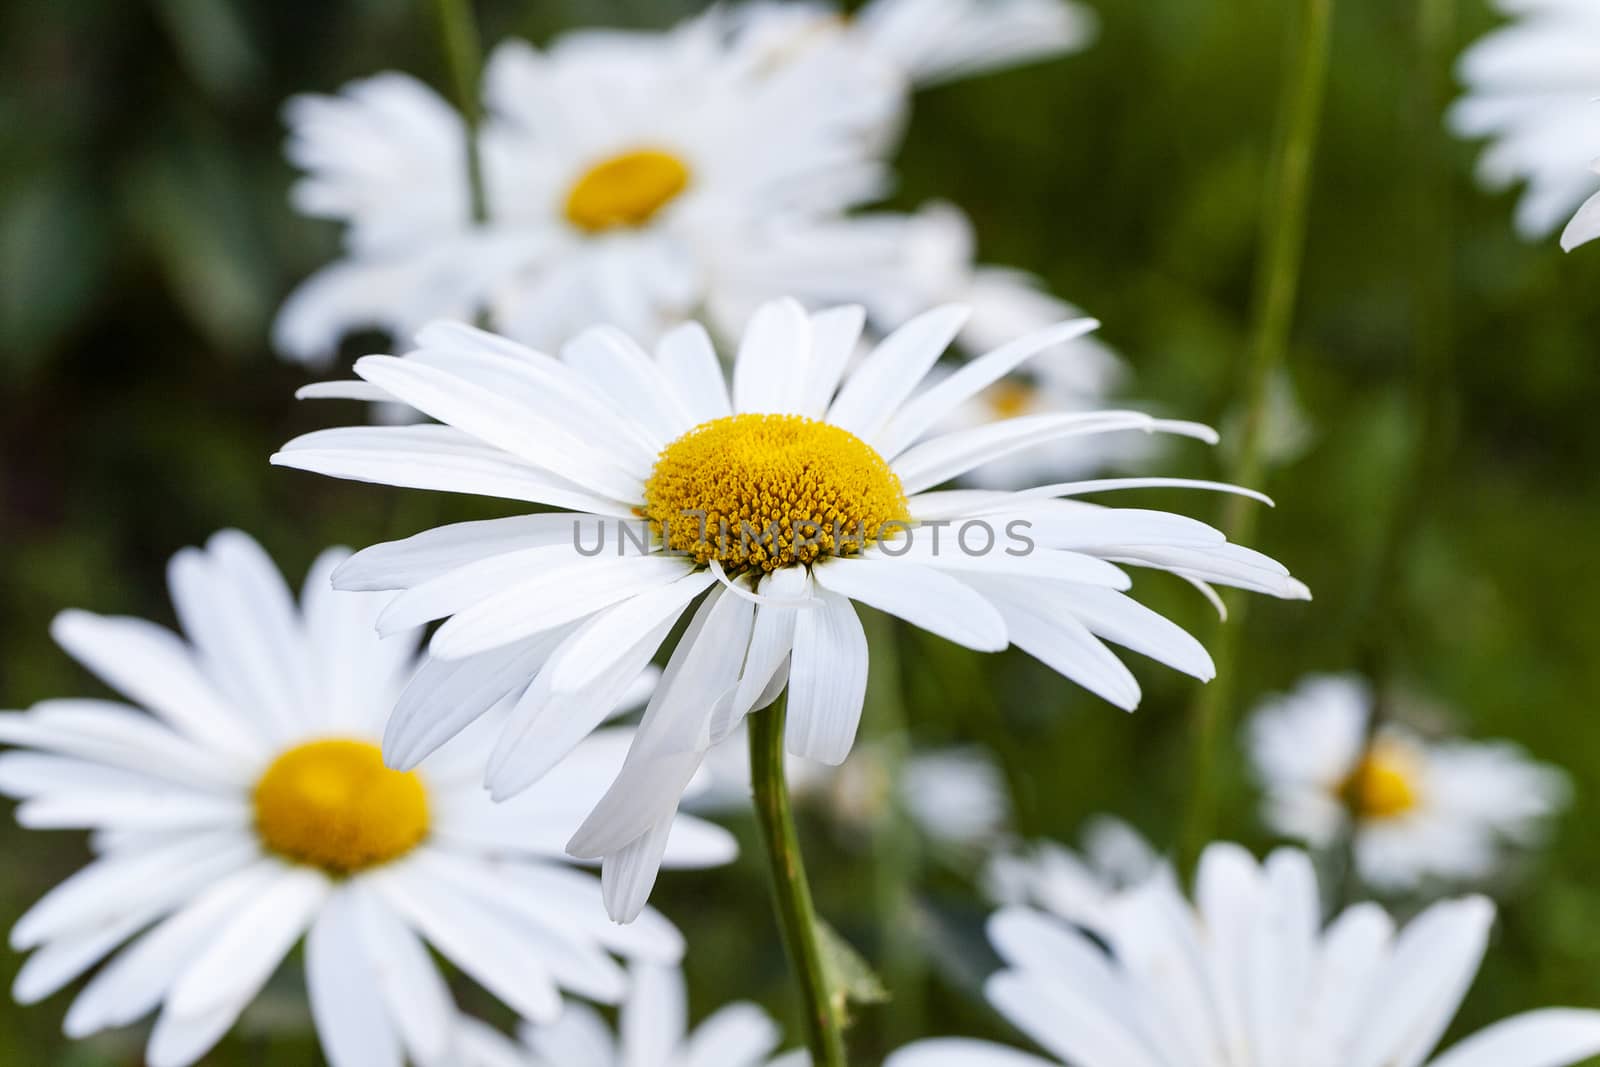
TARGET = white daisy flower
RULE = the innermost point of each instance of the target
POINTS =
(247, 806)
(625, 173)
(1531, 87)
(1249, 977)
(931, 41)
(653, 1032)
(1425, 809)
(773, 505)
(1080, 887)
(956, 797)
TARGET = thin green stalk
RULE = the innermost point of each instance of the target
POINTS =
(791, 893)
(1277, 284)
(463, 60)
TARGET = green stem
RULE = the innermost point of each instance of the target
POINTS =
(463, 60)
(1276, 287)
(791, 894)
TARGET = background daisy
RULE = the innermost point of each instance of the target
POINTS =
(244, 805)
(1530, 88)
(1424, 809)
(623, 171)
(652, 1031)
(1250, 975)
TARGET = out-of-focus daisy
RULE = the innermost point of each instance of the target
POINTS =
(1531, 88)
(624, 173)
(1078, 887)
(247, 806)
(774, 506)
(1424, 809)
(1249, 976)
(929, 41)
(653, 1032)
(956, 797)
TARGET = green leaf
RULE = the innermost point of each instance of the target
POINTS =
(851, 978)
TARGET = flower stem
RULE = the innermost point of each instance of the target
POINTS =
(791, 894)
(463, 60)
(1277, 284)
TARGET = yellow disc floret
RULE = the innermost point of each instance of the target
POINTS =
(334, 805)
(769, 491)
(1384, 783)
(626, 190)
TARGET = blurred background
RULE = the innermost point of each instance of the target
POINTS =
(146, 241)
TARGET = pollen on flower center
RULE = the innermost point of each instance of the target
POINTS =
(333, 804)
(770, 491)
(626, 190)
(1383, 785)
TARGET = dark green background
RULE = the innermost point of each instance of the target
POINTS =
(145, 242)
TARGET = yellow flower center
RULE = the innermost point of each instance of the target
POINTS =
(1384, 783)
(334, 805)
(626, 190)
(1008, 399)
(771, 491)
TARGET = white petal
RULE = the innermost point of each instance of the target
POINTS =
(478, 946)
(501, 421)
(179, 1040)
(239, 961)
(414, 560)
(1061, 1020)
(417, 999)
(1554, 1037)
(827, 680)
(156, 670)
(894, 369)
(834, 336)
(655, 1017)
(565, 594)
(921, 596)
(1434, 961)
(933, 406)
(351, 1019)
(769, 375)
(445, 696)
(627, 876)
(138, 979)
(60, 961)
(686, 354)
(950, 455)
(614, 363)
(1039, 621)
(546, 726)
(439, 458)
(121, 883)
(739, 1035)
(597, 646)
(961, 1052)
